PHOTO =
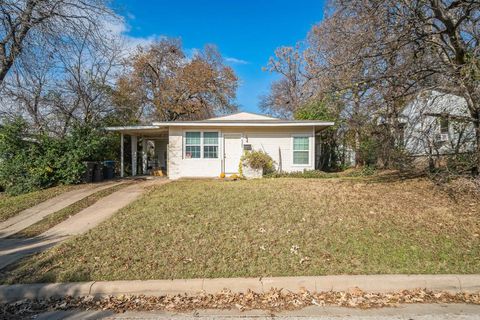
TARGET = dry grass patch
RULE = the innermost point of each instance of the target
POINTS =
(272, 227)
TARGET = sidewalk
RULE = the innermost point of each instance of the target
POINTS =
(367, 283)
(12, 250)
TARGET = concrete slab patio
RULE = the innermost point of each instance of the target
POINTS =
(32, 215)
(12, 250)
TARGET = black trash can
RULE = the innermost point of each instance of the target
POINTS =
(98, 172)
(109, 169)
(89, 170)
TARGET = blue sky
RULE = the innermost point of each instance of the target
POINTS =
(245, 31)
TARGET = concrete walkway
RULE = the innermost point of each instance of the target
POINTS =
(12, 250)
(368, 283)
(32, 215)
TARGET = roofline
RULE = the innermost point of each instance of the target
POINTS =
(244, 123)
(254, 113)
(120, 128)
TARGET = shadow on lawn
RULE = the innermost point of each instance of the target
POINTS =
(12, 250)
(395, 176)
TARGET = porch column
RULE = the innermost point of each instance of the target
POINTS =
(122, 164)
(134, 155)
(144, 156)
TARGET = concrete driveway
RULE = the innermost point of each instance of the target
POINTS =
(12, 250)
(34, 214)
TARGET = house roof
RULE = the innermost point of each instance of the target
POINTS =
(243, 116)
(245, 119)
(241, 119)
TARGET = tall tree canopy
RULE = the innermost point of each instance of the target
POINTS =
(161, 81)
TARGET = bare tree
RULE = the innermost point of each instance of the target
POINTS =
(53, 91)
(294, 89)
(416, 45)
(26, 24)
(378, 55)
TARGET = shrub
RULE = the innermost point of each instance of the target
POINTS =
(363, 172)
(258, 160)
(306, 174)
(317, 174)
(31, 162)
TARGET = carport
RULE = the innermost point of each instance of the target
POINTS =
(151, 137)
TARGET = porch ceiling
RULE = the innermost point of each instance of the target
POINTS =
(141, 131)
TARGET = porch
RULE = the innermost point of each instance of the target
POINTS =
(148, 149)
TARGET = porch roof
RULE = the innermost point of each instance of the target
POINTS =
(142, 130)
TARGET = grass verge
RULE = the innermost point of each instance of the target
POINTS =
(62, 215)
(271, 227)
(11, 205)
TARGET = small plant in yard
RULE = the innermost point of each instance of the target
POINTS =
(303, 174)
(258, 160)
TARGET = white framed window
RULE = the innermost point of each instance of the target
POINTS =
(193, 145)
(444, 125)
(201, 145)
(210, 145)
(301, 150)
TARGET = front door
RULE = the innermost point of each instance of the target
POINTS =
(233, 151)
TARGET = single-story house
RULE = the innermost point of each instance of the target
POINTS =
(436, 123)
(207, 148)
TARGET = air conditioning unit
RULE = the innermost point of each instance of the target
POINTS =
(441, 137)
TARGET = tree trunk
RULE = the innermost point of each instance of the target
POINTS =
(355, 118)
(358, 158)
(476, 125)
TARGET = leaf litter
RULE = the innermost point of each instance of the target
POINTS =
(274, 300)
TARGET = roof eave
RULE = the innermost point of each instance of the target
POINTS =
(245, 124)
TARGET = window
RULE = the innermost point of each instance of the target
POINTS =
(210, 145)
(444, 125)
(201, 145)
(192, 145)
(301, 150)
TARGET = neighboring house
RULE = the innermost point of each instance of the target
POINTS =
(207, 148)
(437, 124)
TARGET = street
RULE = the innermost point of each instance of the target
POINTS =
(404, 312)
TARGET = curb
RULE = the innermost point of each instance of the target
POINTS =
(368, 283)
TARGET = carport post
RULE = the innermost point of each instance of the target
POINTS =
(122, 164)
(144, 156)
(134, 155)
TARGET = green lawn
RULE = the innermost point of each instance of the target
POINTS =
(272, 227)
(11, 205)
